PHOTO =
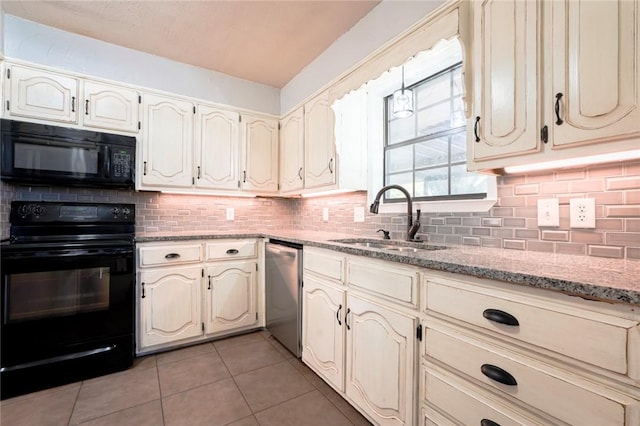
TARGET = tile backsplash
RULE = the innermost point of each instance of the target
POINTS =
(510, 224)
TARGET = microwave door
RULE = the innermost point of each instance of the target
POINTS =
(57, 159)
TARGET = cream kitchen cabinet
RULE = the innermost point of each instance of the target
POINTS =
(196, 290)
(217, 147)
(260, 154)
(38, 94)
(364, 346)
(292, 152)
(319, 152)
(547, 86)
(167, 143)
(488, 355)
(170, 304)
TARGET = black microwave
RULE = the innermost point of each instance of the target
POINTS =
(41, 154)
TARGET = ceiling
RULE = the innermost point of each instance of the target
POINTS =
(267, 42)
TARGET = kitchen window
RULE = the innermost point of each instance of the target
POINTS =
(426, 152)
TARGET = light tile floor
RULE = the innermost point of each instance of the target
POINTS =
(240, 381)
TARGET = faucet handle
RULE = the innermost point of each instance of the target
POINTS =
(385, 233)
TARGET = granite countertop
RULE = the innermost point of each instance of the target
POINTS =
(613, 280)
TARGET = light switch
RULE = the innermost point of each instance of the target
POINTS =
(358, 214)
(548, 212)
(325, 214)
(230, 213)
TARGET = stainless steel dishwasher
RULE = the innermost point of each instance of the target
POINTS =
(283, 280)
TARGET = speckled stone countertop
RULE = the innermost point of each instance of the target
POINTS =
(612, 280)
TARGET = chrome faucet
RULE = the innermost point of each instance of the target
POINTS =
(412, 228)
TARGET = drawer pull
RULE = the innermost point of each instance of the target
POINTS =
(501, 317)
(172, 256)
(487, 422)
(498, 374)
(232, 251)
(338, 314)
(346, 318)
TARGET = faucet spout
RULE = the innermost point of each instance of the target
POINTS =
(376, 204)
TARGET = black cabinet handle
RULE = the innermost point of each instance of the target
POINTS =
(198, 172)
(346, 316)
(73, 104)
(338, 315)
(244, 176)
(144, 168)
(557, 108)
(143, 290)
(86, 107)
(487, 422)
(501, 317)
(331, 166)
(209, 288)
(232, 251)
(498, 374)
(300, 173)
(475, 128)
(172, 256)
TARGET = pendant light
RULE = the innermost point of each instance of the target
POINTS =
(403, 101)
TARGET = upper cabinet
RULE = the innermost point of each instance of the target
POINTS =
(552, 76)
(167, 142)
(260, 154)
(319, 153)
(44, 95)
(505, 69)
(595, 71)
(218, 148)
(292, 151)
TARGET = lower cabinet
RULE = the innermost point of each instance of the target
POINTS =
(169, 305)
(230, 296)
(364, 347)
(191, 291)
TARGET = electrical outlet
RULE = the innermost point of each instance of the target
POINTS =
(230, 213)
(358, 214)
(325, 214)
(548, 212)
(582, 213)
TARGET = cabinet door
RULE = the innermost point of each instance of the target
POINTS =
(110, 107)
(169, 305)
(41, 94)
(319, 147)
(260, 144)
(230, 296)
(323, 310)
(291, 151)
(167, 142)
(505, 119)
(595, 49)
(380, 361)
(217, 143)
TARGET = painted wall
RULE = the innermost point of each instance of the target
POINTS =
(45, 45)
(383, 23)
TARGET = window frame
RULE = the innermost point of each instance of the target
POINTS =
(459, 130)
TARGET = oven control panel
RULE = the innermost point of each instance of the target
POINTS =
(40, 212)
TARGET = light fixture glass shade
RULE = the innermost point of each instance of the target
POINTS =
(402, 103)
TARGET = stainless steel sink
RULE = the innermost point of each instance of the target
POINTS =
(391, 245)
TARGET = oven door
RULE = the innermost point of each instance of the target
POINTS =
(62, 300)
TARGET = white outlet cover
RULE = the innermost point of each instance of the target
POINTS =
(582, 213)
(358, 214)
(230, 213)
(548, 212)
(325, 214)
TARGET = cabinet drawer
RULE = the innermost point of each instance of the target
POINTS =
(324, 263)
(599, 339)
(561, 395)
(230, 250)
(386, 280)
(468, 404)
(170, 254)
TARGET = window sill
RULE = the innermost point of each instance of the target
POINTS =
(447, 206)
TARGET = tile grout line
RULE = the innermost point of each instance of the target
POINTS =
(75, 402)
